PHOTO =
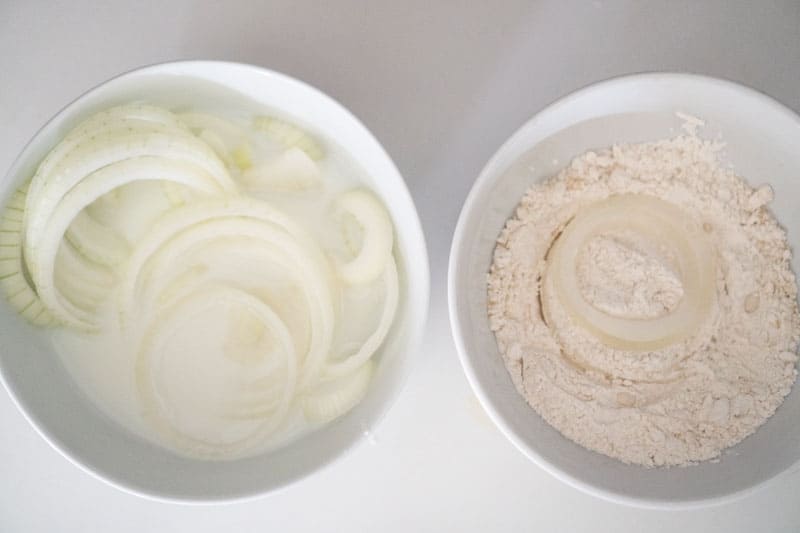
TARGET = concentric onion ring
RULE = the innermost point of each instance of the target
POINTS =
(659, 221)
(156, 405)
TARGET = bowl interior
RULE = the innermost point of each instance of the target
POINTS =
(65, 417)
(763, 144)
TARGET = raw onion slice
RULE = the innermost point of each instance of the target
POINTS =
(377, 241)
(95, 241)
(332, 399)
(334, 370)
(206, 210)
(105, 127)
(217, 144)
(291, 170)
(14, 285)
(92, 157)
(177, 195)
(165, 417)
(289, 136)
(231, 134)
(105, 209)
(659, 221)
(83, 283)
(125, 117)
(238, 216)
(23, 300)
(40, 254)
(217, 238)
(229, 140)
(156, 284)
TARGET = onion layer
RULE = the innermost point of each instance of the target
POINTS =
(377, 242)
(660, 222)
(215, 220)
(159, 404)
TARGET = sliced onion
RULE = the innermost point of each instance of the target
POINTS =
(40, 254)
(332, 399)
(337, 369)
(217, 144)
(243, 217)
(84, 284)
(659, 221)
(92, 157)
(206, 210)
(291, 170)
(120, 118)
(317, 321)
(64, 243)
(116, 123)
(97, 242)
(24, 301)
(176, 194)
(264, 242)
(18, 291)
(230, 133)
(157, 408)
(289, 136)
(227, 138)
(378, 240)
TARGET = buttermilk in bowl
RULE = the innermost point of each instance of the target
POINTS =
(219, 284)
(644, 303)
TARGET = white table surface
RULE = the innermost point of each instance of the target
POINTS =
(442, 85)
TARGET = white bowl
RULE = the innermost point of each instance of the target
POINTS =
(66, 419)
(764, 145)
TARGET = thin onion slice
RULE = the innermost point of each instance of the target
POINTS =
(84, 284)
(23, 300)
(14, 285)
(221, 237)
(233, 207)
(126, 117)
(289, 136)
(157, 411)
(176, 194)
(227, 138)
(91, 158)
(265, 244)
(660, 222)
(377, 242)
(367, 350)
(332, 399)
(97, 242)
(247, 217)
(230, 133)
(40, 254)
(291, 170)
(76, 149)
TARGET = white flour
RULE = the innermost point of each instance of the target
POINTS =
(680, 404)
(621, 275)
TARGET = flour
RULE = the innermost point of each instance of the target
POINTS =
(623, 275)
(672, 406)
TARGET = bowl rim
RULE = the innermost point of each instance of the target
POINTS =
(461, 240)
(416, 327)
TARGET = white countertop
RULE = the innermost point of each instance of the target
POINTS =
(442, 85)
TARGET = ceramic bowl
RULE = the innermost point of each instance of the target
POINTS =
(763, 144)
(81, 432)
